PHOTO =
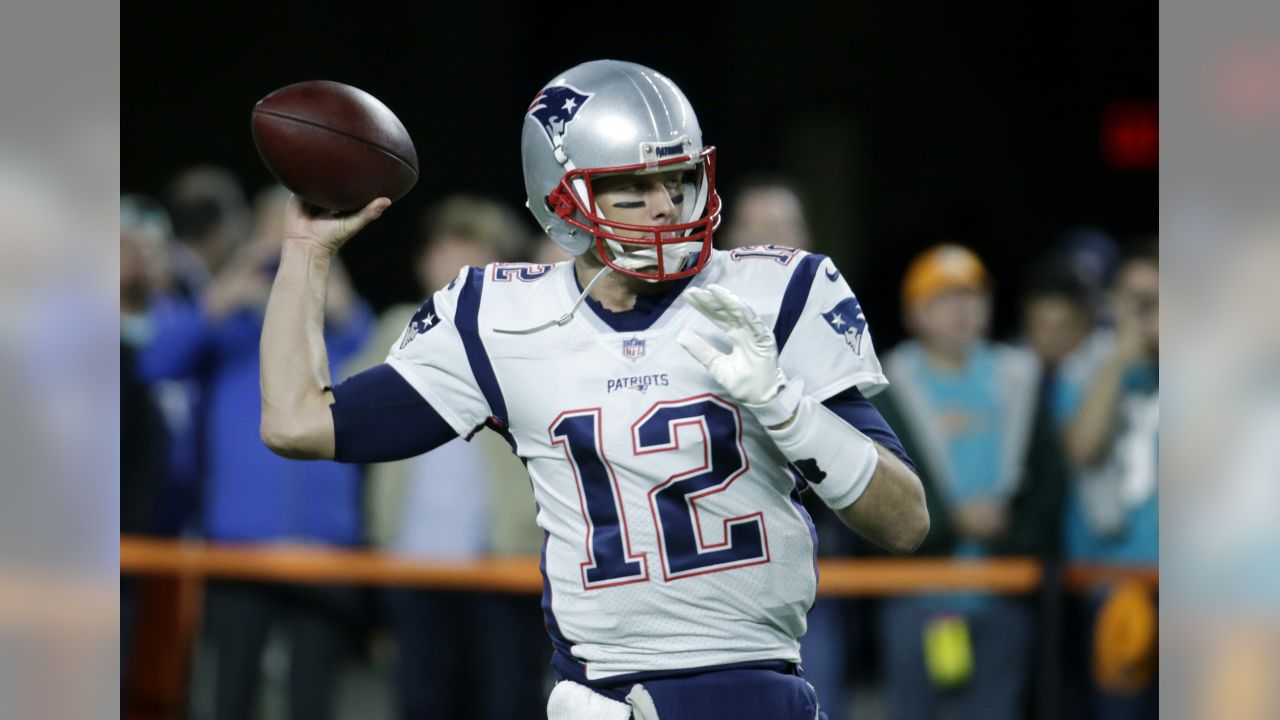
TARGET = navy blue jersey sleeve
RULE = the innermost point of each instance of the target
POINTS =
(379, 417)
(858, 411)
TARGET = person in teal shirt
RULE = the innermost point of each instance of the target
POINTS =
(1110, 423)
(970, 412)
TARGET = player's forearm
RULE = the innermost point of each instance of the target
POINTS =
(892, 511)
(872, 491)
(1089, 434)
(294, 364)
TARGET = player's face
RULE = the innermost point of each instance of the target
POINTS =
(640, 200)
(655, 199)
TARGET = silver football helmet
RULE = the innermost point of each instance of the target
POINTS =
(608, 117)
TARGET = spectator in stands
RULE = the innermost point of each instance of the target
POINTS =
(1059, 320)
(211, 219)
(1056, 315)
(968, 410)
(252, 495)
(1090, 255)
(458, 502)
(144, 438)
(766, 210)
(1111, 422)
(144, 236)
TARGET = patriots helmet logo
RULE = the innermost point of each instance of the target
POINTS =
(556, 107)
(846, 319)
(423, 320)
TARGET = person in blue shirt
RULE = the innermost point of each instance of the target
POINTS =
(969, 411)
(252, 495)
(1111, 422)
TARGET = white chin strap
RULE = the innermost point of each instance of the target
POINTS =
(674, 256)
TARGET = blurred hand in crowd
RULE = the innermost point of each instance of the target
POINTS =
(982, 520)
(1136, 309)
(239, 286)
(245, 281)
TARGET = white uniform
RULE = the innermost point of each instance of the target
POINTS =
(675, 538)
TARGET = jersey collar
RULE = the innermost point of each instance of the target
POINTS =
(648, 308)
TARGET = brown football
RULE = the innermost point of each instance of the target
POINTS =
(334, 145)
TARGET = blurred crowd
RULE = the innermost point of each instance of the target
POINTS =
(1042, 444)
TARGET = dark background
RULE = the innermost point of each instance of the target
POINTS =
(904, 124)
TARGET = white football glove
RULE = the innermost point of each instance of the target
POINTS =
(750, 373)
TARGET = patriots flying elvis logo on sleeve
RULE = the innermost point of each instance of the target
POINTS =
(847, 320)
(423, 320)
(556, 107)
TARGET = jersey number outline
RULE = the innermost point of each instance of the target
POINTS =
(673, 503)
(610, 560)
(524, 272)
(780, 254)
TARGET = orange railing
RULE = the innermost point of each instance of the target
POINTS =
(842, 577)
(173, 572)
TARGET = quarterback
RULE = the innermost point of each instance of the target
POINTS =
(670, 402)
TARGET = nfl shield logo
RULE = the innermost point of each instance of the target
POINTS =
(633, 348)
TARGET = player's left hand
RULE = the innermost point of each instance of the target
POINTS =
(750, 372)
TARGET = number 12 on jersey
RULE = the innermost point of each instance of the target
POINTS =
(673, 503)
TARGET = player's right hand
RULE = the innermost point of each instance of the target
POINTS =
(323, 229)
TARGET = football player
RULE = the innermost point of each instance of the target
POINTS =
(668, 426)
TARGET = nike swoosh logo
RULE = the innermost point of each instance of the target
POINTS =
(832, 274)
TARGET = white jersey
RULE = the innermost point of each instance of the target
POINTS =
(674, 534)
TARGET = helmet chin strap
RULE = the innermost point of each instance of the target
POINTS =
(673, 255)
(564, 319)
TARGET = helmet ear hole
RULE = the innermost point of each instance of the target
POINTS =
(560, 202)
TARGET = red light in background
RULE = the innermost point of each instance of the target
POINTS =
(1131, 135)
